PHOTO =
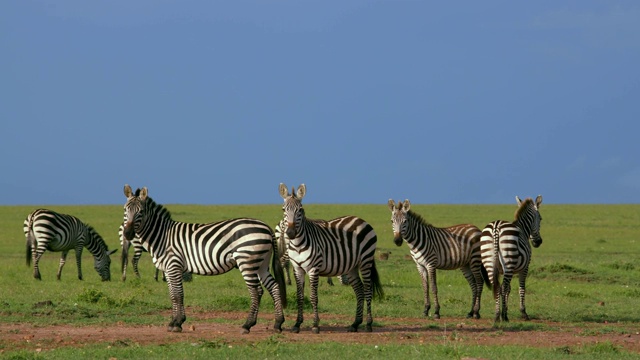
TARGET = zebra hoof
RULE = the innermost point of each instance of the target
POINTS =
(295, 329)
(368, 328)
(175, 329)
(436, 316)
(245, 331)
(315, 330)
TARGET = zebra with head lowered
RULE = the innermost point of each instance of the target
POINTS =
(450, 248)
(48, 230)
(342, 246)
(206, 249)
(283, 255)
(505, 250)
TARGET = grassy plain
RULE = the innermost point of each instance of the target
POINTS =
(586, 271)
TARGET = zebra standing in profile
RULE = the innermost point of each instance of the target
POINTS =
(206, 249)
(450, 248)
(505, 250)
(48, 230)
(283, 240)
(345, 245)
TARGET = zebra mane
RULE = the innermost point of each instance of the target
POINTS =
(158, 209)
(413, 215)
(523, 207)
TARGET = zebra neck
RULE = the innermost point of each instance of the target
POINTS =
(524, 222)
(94, 243)
(154, 230)
(419, 229)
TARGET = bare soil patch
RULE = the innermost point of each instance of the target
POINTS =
(205, 327)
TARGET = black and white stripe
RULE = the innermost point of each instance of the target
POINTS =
(506, 250)
(206, 249)
(450, 248)
(138, 249)
(283, 254)
(48, 230)
(342, 246)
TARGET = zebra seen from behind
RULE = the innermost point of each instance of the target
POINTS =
(48, 230)
(283, 255)
(342, 246)
(206, 249)
(505, 250)
(450, 248)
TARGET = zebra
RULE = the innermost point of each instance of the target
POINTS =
(450, 248)
(138, 249)
(505, 250)
(283, 255)
(206, 249)
(345, 245)
(48, 230)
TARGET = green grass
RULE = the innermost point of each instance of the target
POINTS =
(586, 271)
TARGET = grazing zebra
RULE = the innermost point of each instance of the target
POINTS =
(138, 249)
(450, 248)
(206, 249)
(505, 250)
(342, 246)
(283, 255)
(48, 230)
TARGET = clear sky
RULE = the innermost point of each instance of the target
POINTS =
(218, 102)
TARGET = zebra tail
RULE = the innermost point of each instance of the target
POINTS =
(496, 259)
(278, 273)
(376, 286)
(485, 276)
(31, 238)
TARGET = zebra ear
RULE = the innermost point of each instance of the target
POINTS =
(284, 192)
(143, 193)
(518, 201)
(302, 189)
(391, 204)
(407, 205)
(538, 201)
(127, 191)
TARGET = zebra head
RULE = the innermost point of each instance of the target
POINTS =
(530, 209)
(399, 221)
(101, 254)
(292, 207)
(133, 210)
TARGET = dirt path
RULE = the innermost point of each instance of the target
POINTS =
(201, 327)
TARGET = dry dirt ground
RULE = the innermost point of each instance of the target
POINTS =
(202, 327)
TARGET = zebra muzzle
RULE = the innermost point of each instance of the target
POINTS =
(397, 239)
(128, 231)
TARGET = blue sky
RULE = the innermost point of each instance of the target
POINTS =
(218, 102)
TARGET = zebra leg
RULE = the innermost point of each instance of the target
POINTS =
(274, 290)
(78, 259)
(330, 281)
(256, 294)
(286, 268)
(497, 297)
(124, 257)
(425, 288)
(358, 289)
(299, 275)
(36, 260)
(521, 291)
(176, 293)
(137, 253)
(434, 289)
(475, 303)
(313, 286)
(506, 290)
(63, 260)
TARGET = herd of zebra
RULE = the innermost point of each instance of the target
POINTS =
(343, 247)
